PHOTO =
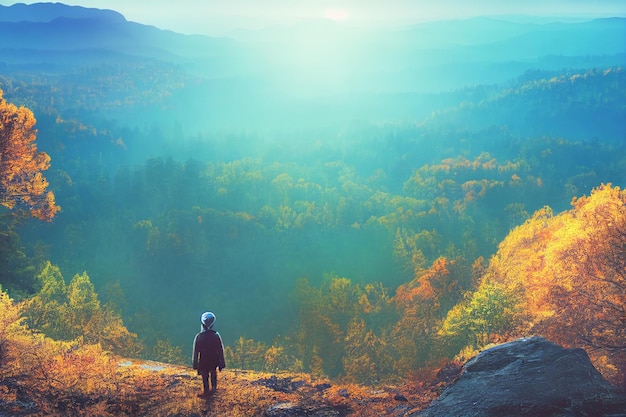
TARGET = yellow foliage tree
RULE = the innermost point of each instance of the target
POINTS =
(49, 368)
(14, 337)
(486, 315)
(22, 185)
(367, 357)
(568, 274)
(74, 312)
(246, 354)
(422, 305)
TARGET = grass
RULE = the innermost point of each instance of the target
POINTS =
(43, 377)
(143, 388)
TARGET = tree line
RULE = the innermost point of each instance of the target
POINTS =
(373, 255)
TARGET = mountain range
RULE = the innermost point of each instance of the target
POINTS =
(323, 68)
(56, 26)
(62, 28)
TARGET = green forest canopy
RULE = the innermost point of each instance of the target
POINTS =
(359, 253)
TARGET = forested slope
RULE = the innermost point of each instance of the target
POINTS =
(351, 248)
(307, 221)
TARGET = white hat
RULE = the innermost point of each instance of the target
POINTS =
(207, 319)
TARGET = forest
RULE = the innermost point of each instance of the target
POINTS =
(361, 250)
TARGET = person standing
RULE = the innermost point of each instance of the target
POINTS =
(208, 353)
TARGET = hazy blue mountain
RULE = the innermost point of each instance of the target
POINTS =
(429, 57)
(577, 106)
(314, 72)
(61, 28)
(46, 12)
(57, 26)
(596, 37)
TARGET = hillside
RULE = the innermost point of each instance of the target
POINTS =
(577, 105)
(80, 384)
(43, 377)
(156, 389)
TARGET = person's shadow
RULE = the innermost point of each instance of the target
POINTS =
(207, 406)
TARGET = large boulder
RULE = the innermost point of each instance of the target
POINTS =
(529, 377)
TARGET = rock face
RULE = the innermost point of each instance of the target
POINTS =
(529, 377)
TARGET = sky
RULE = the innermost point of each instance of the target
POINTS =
(223, 17)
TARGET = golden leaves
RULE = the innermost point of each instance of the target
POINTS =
(22, 186)
(569, 273)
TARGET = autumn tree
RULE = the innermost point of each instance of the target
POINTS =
(343, 328)
(14, 336)
(319, 335)
(590, 292)
(422, 304)
(45, 310)
(367, 357)
(22, 185)
(487, 314)
(58, 369)
(246, 354)
(561, 276)
(74, 312)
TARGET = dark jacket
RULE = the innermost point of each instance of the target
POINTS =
(208, 351)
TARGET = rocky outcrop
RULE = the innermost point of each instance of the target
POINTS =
(529, 377)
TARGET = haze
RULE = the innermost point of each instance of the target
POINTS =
(222, 18)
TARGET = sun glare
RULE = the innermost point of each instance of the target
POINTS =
(336, 14)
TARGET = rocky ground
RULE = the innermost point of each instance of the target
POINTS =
(527, 377)
(156, 389)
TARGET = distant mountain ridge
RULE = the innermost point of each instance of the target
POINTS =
(47, 12)
(62, 28)
(317, 67)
